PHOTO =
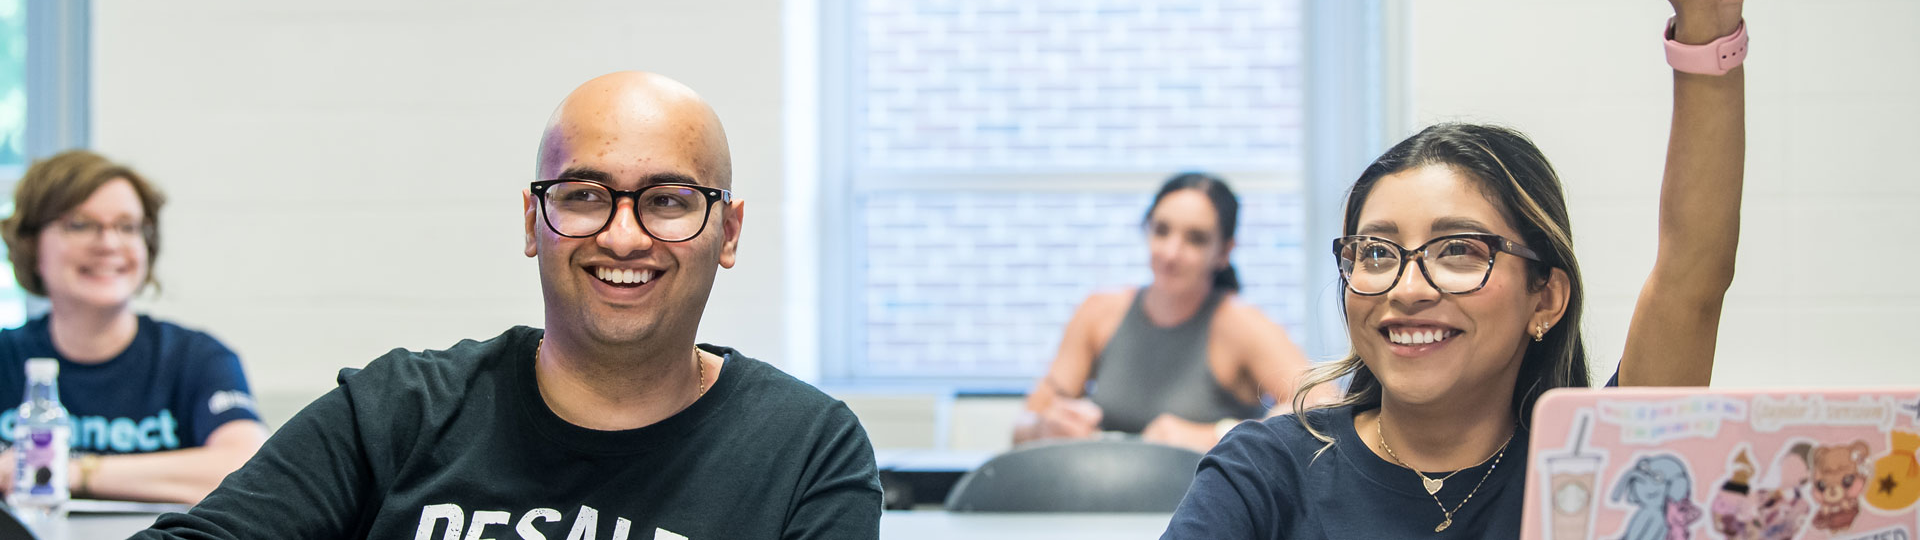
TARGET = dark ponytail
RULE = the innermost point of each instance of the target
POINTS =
(1226, 279)
(1225, 206)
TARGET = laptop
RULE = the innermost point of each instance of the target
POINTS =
(1671, 463)
(88, 518)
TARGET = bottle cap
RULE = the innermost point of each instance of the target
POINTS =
(43, 368)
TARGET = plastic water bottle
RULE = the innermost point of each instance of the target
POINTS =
(41, 442)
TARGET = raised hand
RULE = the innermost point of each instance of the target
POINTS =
(1701, 21)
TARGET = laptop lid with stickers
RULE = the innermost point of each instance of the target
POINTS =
(1673, 463)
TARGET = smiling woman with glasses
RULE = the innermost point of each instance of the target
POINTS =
(1447, 359)
(84, 234)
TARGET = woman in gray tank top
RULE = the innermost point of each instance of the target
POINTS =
(1175, 361)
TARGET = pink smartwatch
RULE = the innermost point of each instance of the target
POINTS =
(1714, 58)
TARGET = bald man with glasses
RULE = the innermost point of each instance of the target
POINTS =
(608, 424)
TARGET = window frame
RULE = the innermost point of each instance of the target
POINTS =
(58, 71)
(1347, 76)
(58, 68)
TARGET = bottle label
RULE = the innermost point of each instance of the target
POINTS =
(40, 465)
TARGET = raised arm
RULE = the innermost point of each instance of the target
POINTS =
(1676, 321)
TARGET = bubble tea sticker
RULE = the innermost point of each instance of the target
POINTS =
(1570, 485)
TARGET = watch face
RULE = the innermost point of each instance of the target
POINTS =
(1571, 498)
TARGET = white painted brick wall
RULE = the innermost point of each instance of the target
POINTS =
(1132, 84)
(981, 282)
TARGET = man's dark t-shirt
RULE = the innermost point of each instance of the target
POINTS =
(458, 444)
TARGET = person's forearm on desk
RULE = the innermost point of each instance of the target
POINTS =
(181, 476)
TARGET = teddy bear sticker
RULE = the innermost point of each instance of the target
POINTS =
(1839, 478)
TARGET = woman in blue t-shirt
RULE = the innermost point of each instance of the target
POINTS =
(160, 412)
(1463, 305)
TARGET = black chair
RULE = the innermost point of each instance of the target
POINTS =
(1079, 476)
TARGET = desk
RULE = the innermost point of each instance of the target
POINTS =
(88, 519)
(937, 525)
(920, 477)
(98, 526)
(921, 459)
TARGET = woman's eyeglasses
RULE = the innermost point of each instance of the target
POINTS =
(1453, 264)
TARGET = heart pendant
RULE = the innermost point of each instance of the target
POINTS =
(1433, 486)
(1443, 525)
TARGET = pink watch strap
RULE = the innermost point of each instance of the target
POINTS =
(1714, 58)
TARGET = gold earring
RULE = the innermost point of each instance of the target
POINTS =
(1540, 332)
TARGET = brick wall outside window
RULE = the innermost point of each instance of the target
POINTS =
(1137, 84)
(978, 281)
(977, 284)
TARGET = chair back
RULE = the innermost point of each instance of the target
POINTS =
(1079, 476)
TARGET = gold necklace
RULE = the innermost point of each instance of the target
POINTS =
(1433, 486)
(699, 381)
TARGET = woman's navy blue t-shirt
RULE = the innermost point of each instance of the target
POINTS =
(1263, 481)
(168, 390)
